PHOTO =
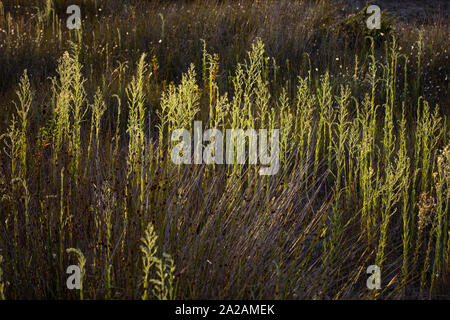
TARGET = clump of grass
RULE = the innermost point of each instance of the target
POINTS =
(442, 189)
(354, 26)
(346, 195)
(135, 179)
(163, 285)
(407, 236)
(106, 206)
(81, 265)
(18, 131)
(69, 108)
(149, 259)
(98, 108)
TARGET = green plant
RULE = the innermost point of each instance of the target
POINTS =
(164, 286)
(363, 177)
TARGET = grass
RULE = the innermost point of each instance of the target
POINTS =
(364, 147)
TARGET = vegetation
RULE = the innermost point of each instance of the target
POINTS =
(86, 170)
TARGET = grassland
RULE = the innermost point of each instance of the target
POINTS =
(86, 176)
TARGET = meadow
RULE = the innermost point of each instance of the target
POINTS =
(86, 176)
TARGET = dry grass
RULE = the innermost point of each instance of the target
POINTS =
(364, 176)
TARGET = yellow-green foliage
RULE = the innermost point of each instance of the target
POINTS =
(69, 107)
(2, 285)
(81, 265)
(18, 131)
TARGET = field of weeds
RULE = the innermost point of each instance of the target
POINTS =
(87, 177)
